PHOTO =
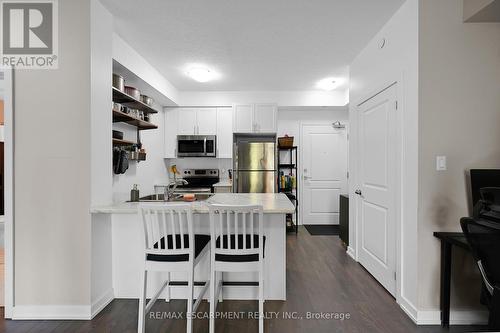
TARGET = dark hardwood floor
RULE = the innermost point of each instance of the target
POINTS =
(320, 278)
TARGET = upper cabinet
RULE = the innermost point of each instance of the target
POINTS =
(224, 133)
(265, 118)
(202, 121)
(243, 118)
(255, 118)
(207, 121)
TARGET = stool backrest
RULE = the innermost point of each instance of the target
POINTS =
(484, 240)
(168, 229)
(237, 230)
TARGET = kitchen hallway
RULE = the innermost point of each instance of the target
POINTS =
(318, 284)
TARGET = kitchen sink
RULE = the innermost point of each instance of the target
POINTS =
(175, 198)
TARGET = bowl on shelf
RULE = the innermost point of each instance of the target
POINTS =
(132, 91)
(117, 135)
(118, 82)
(147, 100)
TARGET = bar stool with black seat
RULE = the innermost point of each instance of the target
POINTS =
(170, 246)
(238, 245)
(484, 239)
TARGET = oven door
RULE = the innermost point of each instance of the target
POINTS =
(190, 146)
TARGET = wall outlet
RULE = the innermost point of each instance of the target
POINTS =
(441, 163)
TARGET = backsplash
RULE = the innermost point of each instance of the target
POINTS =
(223, 164)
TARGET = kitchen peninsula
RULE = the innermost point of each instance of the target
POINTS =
(127, 247)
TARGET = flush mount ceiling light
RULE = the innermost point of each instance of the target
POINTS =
(328, 84)
(200, 74)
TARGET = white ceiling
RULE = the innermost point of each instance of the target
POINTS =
(254, 44)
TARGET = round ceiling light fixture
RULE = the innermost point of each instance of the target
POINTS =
(200, 74)
(328, 84)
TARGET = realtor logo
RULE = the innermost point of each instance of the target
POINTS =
(29, 34)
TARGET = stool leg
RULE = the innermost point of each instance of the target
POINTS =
(221, 287)
(261, 301)
(141, 322)
(213, 300)
(190, 300)
(167, 298)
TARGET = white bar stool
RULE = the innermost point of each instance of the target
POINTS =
(170, 246)
(237, 245)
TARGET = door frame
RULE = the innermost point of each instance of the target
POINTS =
(9, 191)
(300, 173)
(398, 181)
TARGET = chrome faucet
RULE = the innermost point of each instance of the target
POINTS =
(172, 186)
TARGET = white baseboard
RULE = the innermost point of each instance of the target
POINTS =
(51, 312)
(99, 304)
(457, 317)
(351, 253)
(410, 310)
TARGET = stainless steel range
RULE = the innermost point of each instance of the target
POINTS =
(199, 180)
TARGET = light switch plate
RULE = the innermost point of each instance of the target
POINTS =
(441, 163)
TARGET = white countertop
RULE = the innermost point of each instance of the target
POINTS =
(272, 203)
(223, 183)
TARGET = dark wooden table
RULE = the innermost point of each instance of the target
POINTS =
(448, 239)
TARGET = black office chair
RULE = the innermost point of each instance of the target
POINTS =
(484, 239)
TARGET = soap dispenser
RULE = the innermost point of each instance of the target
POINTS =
(134, 193)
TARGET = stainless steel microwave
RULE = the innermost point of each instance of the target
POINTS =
(196, 146)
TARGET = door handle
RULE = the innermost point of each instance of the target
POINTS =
(358, 192)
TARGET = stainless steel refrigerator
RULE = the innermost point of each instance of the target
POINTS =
(254, 164)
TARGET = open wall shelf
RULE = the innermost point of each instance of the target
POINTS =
(119, 142)
(129, 101)
(119, 116)
(290, 166)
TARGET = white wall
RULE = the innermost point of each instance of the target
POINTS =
(459, 118)
(101, 117)
(282, 98)
(53, 175)
(290, 119)
(101, 35)
(371, 71)
(133, 61)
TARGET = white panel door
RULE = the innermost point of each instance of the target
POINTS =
(243, 118)
(224, 133)
(376, 194)
(265, 118)
(206, 119)
(324, 157)
(186, 124)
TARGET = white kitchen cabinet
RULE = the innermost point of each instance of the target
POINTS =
(255, 118)
(201, 121)
(206, 119)
(171, 121)
(265, 118)
(186, 122)
(224, 133)
(243, 118)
